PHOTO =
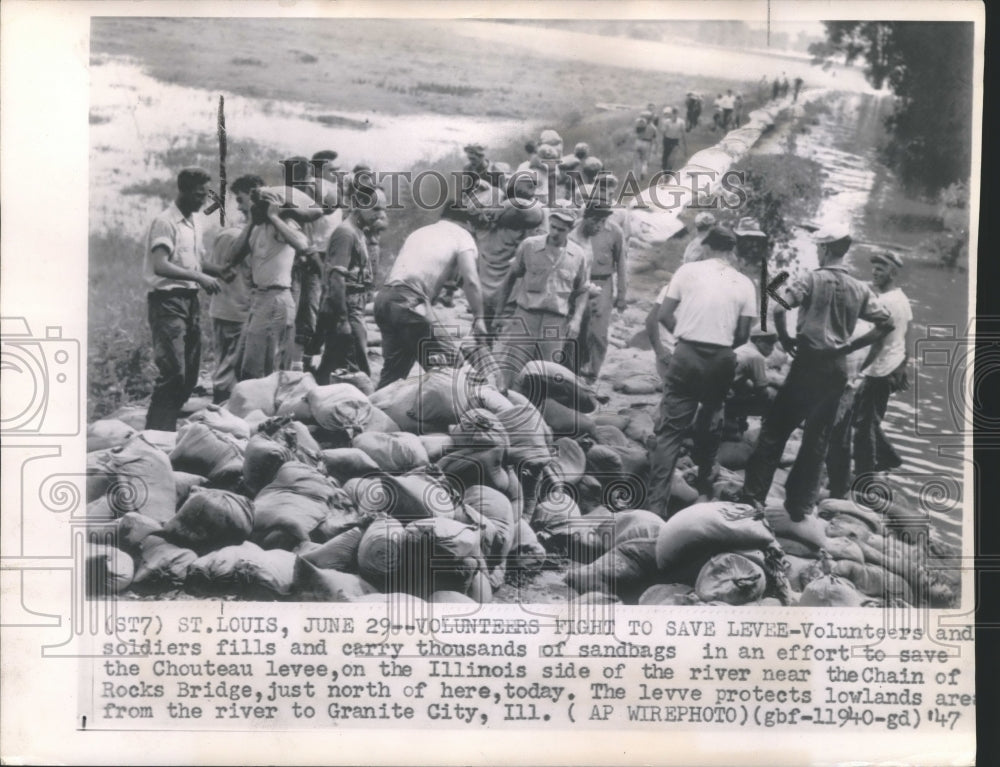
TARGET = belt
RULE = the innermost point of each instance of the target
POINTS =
(174, 292)
(271, 287)
(703, 344)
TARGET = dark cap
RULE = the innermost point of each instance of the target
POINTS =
(888, 257)
(720, 238)
(476, 150)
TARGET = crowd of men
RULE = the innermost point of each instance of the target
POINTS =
(542, 271)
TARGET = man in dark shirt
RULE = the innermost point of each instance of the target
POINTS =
(830, 302)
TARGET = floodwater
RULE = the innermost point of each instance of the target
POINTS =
(925, 421)
(134, 118)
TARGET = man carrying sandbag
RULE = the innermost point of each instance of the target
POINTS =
(410, 329)
(172, 267)
(271, 243)
(708, 306)
(548, 284)
(830, 302)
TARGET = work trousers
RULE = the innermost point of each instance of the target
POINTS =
(695, 386)
(810, 396)
(529, 335)
(175, 324)
(266, 339)
(593, 346)
(858, 434)
(669, 145)
(410, 332)
(226, 341)
(344, 351)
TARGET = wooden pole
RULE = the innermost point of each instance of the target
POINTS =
(222, 160)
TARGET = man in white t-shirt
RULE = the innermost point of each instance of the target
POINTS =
(859, 431)
(709, 306)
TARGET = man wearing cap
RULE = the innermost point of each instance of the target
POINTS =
(673, 130)
(410, 329)
(751, 241)
(693, 104)
(570, 170)
(695, 251)
(349, 275)
(498, 233)
(607, 254)
(830, 302)
(727, 104)
(230, 307)
(883, 374)
(271, 243)
(549, 137)
(645, 140)
(172, 268)
(493, 173)
(708, 306)
(750, 393)
(548, 285)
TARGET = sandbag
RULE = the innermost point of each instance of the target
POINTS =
(640, 426)
(604, 463)
(706, 529)
(185, 483)
(345, 463)
(255, 418)
(636, 523)
(830, 508)
(831, 591)
(540, 380)
(530, 437)
(339, 407)
(254, 394)
(161, 440)
(874, 581)
(442, 554)
(837, 548)
(669, 594)
(295, 503)
(436, 445)
(626, 570)
(611, 436)
(135, 476)
(379, 420)
(569, 461)
(131, 415)
(379, 553)
(108, 571)
(591, 536)
(467, 467)
(314, 584)
(223, 420)
(108, 433)
(160, 565)
(553, 520)
(339, 553)
(489, 511)
(361, 381)
(734, 455)
(487, 398)
(479, 428)
(261, 461)
(210, 519)
(202, 450)
(291, 395)
(399, 452)
(589, 494)
(131, 529)
(565, 421)
(730, 578)
(811, 530)
(526, 552)
(294, 435)
(426, 403)
(451, 598)
(246, 570)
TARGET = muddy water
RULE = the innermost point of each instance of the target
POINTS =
(134, 118)
(921, 423)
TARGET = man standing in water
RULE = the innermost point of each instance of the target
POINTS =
(883, 373)
(830, 302)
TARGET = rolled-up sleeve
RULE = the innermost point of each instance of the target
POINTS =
(796, 293)
(874, 311)
(161, 235)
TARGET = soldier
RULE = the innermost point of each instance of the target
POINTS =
(607, 251)
(548, 285)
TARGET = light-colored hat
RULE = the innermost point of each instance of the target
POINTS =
(593, 164)
(564, 210)
(477, 150)
(704, 220)
(888, 257)
(548, 152)
(748, 227)
(581, 147)
(833, 231)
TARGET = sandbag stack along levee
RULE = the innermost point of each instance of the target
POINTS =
(441, 488)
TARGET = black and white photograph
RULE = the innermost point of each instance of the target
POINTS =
(601, 369)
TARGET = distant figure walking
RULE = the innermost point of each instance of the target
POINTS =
(798, 87)
(693, 105)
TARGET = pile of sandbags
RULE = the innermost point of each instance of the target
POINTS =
(444, 488)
